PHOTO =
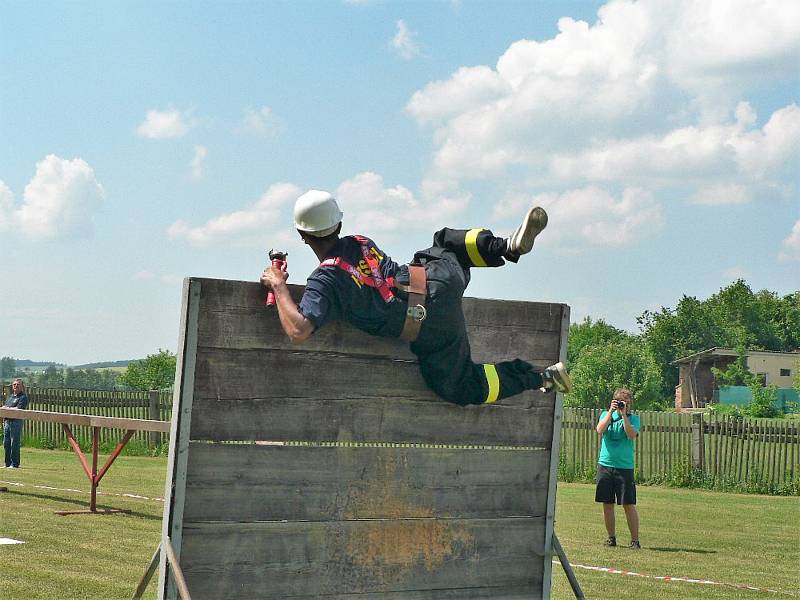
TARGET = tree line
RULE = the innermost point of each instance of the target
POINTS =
(602, 357)
(155, 372)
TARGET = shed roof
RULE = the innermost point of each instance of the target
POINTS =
(718, 351)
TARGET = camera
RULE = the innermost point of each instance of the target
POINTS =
(620, 405)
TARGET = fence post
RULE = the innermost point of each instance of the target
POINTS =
(155, 415)
(698, 446)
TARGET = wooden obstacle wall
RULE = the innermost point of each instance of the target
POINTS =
(328, 469)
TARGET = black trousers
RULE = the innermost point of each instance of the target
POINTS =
(442, 346)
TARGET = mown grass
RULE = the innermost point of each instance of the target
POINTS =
(730, 538)
(78, 556)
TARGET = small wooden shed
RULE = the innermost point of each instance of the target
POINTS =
(328, 469)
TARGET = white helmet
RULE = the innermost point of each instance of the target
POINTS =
(317, 213)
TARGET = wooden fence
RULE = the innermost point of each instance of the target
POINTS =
(725, 447)
(736, 448)
(153, 405)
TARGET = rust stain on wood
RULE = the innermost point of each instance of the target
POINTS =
(411, 538)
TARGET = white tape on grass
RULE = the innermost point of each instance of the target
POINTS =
(99, 493)
(670, 578)
(5, 541)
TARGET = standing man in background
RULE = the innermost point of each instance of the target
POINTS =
(12, 428)
(618, 428)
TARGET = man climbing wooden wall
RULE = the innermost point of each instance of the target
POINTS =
(331, 469)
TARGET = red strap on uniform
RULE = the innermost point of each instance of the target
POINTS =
(375, 279)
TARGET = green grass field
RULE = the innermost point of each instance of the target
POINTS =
(728, 538)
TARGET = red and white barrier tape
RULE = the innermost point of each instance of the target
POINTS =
(670, 578)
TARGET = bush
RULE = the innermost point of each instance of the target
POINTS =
(602, 369)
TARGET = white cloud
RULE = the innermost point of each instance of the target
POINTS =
(161, 124)
(622, 100)
(370, 206)
(259, 122)
(723, 194)
(241, 227)
(6, 206)
(469, 88)
(59, 201)
(719, 49)
(200, 154)
(367, 202)
(790, 250)
(404, 41)
(732, 149)
(593, 214)
(736, 272)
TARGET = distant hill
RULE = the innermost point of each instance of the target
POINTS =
(105, 365)
(23, 363)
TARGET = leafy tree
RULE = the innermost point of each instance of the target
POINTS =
(797, 376)
(737, 373)
(601, 369)
(8, 366)
(734, 317)
(762, 405)
(51, 377)
(156, 371)
(588, 334)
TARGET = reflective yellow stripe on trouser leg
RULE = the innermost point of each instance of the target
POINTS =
(471, 242)
(494, 383)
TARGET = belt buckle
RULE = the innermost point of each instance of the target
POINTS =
(417, 313)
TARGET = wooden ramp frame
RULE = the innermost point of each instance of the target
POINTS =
(95, 422)
(330, 470)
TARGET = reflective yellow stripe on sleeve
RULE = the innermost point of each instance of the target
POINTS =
(494, 383)
(471, 242)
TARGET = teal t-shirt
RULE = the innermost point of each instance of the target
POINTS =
(616, 450)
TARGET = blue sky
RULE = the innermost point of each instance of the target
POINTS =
(146, 142)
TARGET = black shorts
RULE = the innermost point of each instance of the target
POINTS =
(615, 485)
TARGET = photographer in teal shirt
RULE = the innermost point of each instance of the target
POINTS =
(618, 428)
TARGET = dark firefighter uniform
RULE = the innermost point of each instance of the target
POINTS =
(356, 283)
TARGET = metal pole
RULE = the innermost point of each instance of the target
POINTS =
(562, 557)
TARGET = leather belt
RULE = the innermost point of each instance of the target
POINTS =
(415, 313)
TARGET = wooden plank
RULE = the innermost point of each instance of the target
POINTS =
(260, 330)
(371, 420)
(220, 295)
(280, 560)
(462, 593)
(238, 482)
(46, 416)
(302, 374)
(555, 449)
(86, 420)
(175, 484)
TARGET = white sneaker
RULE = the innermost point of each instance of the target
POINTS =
(555, 377)
(521, 241)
